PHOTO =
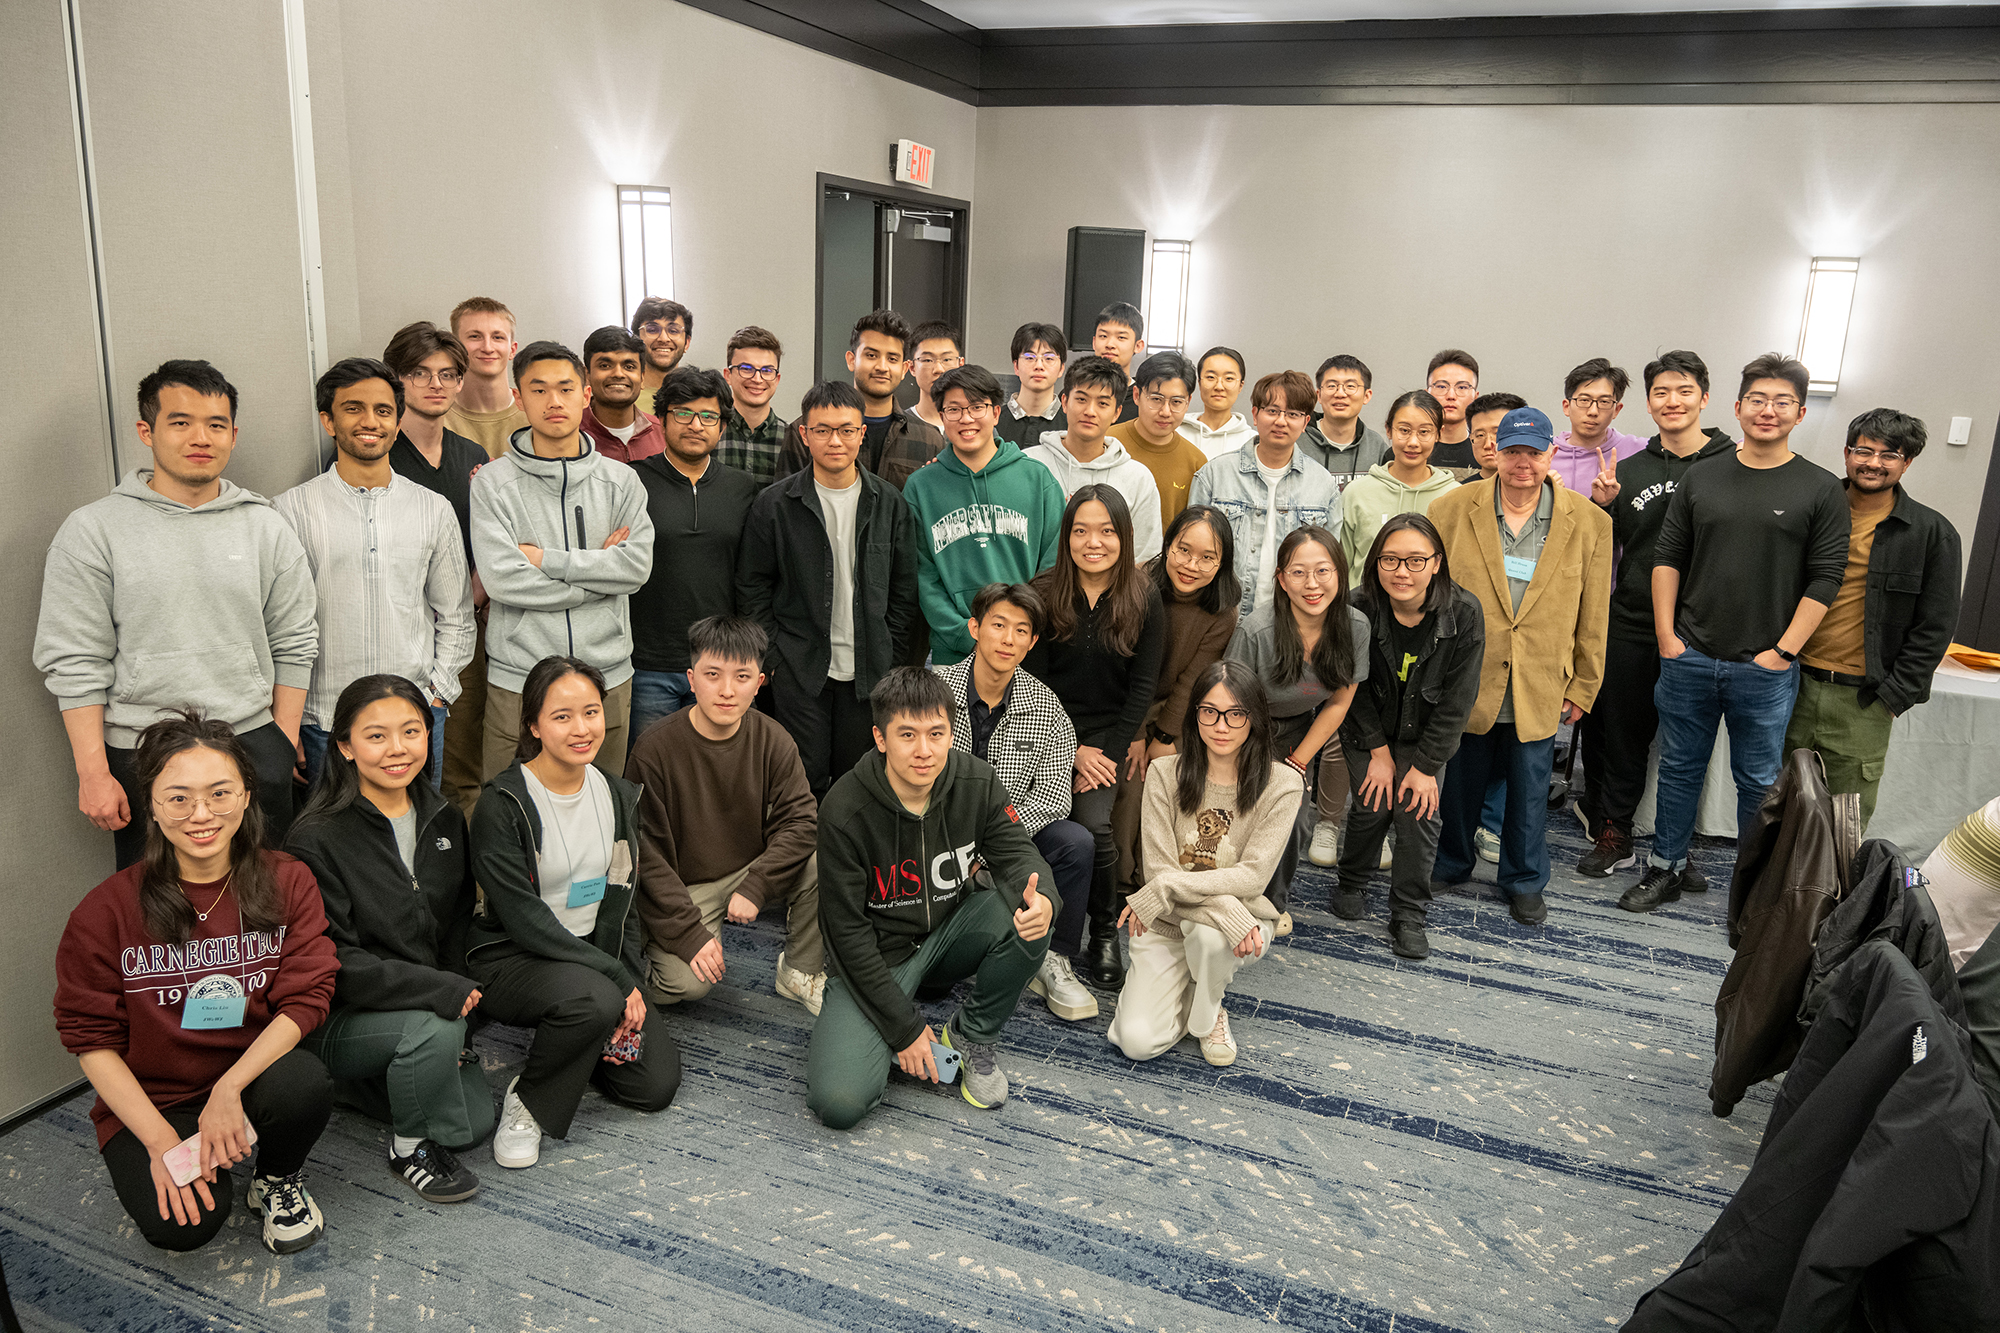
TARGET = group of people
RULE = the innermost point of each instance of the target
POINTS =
(567, 658)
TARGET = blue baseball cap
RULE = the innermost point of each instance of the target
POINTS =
(1526, 428)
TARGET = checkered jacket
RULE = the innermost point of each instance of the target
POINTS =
(1033, 748)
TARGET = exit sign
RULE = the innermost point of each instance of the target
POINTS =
(912, 162)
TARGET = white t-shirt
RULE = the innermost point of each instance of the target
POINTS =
(577, 833)
(1267, 558)
(839, 509)
(624, 433)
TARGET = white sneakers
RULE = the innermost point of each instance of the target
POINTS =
(809, 991)
(1056, 983)
(1325, 849)
(1387, 861)
(1219, 1047)
(518, 1141)
(1487, 844)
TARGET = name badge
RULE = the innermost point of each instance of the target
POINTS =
(584, 892)
(213, 1011)
(1520, 567)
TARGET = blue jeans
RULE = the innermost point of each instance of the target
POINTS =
(1694, 694)
(654, 695)
(313, 740)
(1524, 767)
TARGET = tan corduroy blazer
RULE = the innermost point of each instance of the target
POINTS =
(1554, 645)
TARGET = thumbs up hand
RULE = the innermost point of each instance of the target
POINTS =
(1032, 921)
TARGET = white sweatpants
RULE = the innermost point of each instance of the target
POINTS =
(1174, 988)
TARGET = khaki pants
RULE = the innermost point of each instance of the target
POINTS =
(669, 979)
(465, 733)
(503, 729)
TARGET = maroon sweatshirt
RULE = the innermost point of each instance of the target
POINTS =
(118, 989)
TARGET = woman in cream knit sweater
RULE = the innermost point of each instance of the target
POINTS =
(1213, 832)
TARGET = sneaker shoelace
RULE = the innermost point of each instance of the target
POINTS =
(978, 1054)
(1062, 968)
(436, 1159)
(1608, 840)
(522, 1119)
(1219, 1034)
(285, 1197)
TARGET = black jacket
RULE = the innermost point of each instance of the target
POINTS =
(1646, 483)
(1426, 715)
(784, 581)
(1874, 1201)
(909, 443)
(1979, 987)
(506, 850)
(1911, 607)
(696, 531)
(399, 932)
(1886, 900)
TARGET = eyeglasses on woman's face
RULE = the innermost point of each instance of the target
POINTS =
(1234, 718)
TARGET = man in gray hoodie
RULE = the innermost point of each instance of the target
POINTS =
(561, 539)
(116, 639)
(1340, 441)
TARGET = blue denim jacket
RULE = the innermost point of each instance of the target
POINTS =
(1306, 497)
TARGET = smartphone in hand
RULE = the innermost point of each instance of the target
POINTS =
(183, 1160)
(947, 1062)
(626, 1051)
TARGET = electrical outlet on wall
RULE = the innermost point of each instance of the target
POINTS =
(1961, 431)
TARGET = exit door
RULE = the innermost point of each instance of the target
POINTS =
(886, 247)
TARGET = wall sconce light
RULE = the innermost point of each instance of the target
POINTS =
(645, 244)
(1823, 333)
(1166, 297)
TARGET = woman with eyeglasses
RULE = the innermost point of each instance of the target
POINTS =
(1404, 484)
(556, 945)
(1107, 627)
(1195, 573)
(184, 984)
(1218, 817)
(1426, 647)
(395, 872)
(1310, 649)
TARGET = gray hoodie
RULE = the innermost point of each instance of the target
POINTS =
(575, 604)
(1351, 462)
(149, 605)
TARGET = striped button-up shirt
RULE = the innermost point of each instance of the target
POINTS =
(394, 595)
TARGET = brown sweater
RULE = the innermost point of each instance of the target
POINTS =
(1195, 639)
(709, 808)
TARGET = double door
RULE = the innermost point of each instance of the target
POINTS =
(886, 247)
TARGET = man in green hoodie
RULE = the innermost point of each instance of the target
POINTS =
(920, 856)
(984, 511)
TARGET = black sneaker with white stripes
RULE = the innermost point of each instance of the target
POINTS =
(435, 1174)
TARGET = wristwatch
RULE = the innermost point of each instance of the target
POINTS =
(1779, 649)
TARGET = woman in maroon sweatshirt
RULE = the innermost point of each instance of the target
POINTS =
(183, 985)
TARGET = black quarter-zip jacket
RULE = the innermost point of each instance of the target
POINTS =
(696, 528)
(398, 931)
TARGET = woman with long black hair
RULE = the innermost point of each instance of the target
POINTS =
(183, 986)
(1218, 817)
(395, 871)
(1101, 656)
(558, 946)
(1310, 649)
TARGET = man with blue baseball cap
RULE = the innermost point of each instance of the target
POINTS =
(1538, 558)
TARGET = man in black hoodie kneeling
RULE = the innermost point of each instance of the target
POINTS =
(926, 878)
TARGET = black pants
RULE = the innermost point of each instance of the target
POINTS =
(1416, 842)
(1286, 733)
(1626, 721)
(574, 1010)
(833, 728)
(288, 1104)
(1070, 851)
(269, 751)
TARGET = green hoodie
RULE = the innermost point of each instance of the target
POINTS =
(1373, 500)
(888, 878)
(997, 525)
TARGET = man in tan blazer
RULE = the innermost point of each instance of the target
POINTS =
(1538, 558)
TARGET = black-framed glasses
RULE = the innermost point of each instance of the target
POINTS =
(821, 433)
(652, 328)
(687, 415)
(1602, 403)
(1416, 564)
(1862, 454)
(750, 372)
(442, 378)
(1234, 718)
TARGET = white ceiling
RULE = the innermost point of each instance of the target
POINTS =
(1127, 13)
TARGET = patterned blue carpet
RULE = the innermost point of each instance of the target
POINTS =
(1510, 1136)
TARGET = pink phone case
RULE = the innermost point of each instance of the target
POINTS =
(183, 1160)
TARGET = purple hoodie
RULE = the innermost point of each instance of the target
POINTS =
(1578, 465)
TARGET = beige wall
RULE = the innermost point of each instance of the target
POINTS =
(483, 148)
(1537, 237)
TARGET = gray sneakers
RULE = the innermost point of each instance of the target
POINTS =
(980, 1080)
(1056, 983)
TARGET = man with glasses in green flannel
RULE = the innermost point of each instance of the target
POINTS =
(753, 434)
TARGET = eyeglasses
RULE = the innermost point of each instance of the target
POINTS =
(750, 372)
(1864, 455)
(1452, 386)
(927, 360)
(1234, 718)
(1603, 404)
(1757, 402)
(1156, 401)
(1404, 431)
(956, 413)
(1040, 358)
(687, 415)
(1315, 574)
(444, 379)
(1205, 560)
(652, 328)
(1416, 564)
(221, 803)
(1281, 414)
(1348, 388)
(822, 433)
